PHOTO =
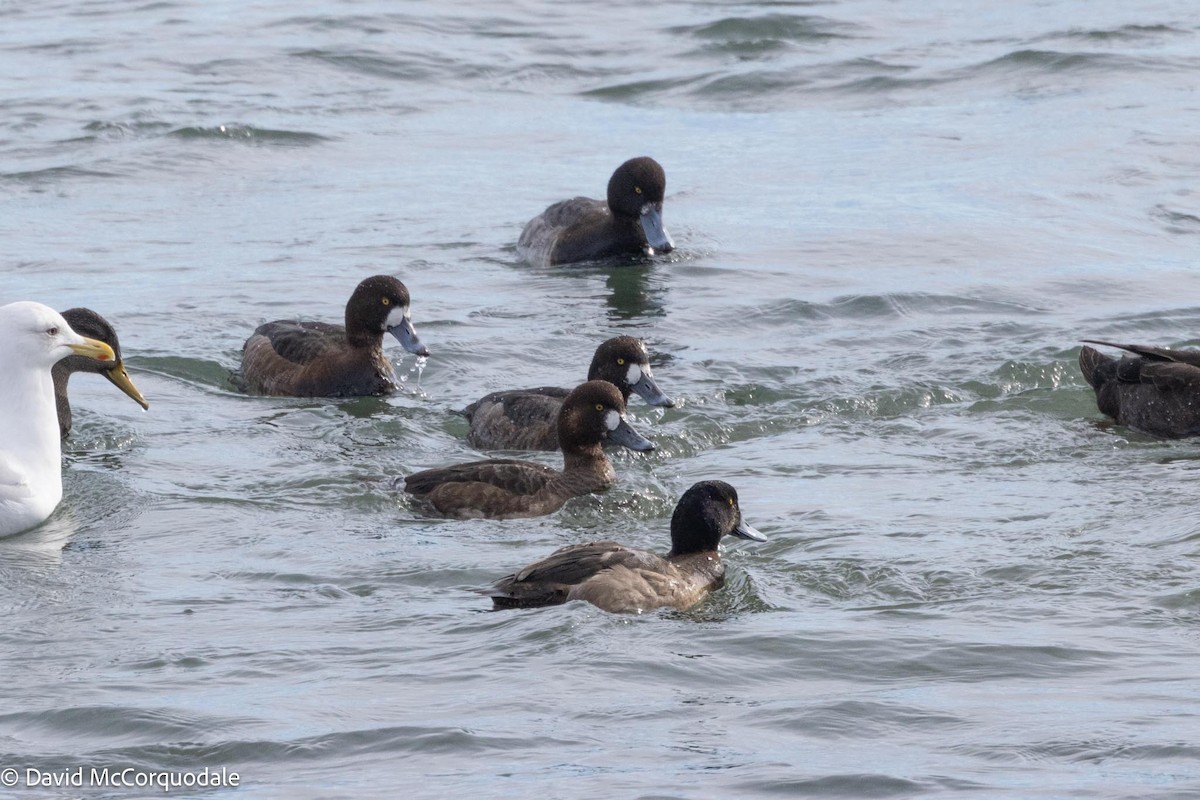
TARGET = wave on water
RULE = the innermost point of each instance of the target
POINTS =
(105, 129)
(249, 134)
(765, 36)
(54, 175)
(891, 306)
(760, 63)
(1044, 61)
(1122, 34)
(1178, 222)
(374, 64)
(411, 67)
(117, 150)
(194, 371)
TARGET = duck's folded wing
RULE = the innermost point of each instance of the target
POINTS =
(522, 406)
(571, 212)
(550, 580)
(1153, 353)
(539, 239)
(577, 562)
(507, 474)
(1169, 376)
(520, 419)
(297, 342)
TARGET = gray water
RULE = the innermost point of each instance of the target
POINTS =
(895, 222)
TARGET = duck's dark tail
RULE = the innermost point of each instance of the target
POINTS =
(507, 593)
(1096, 367)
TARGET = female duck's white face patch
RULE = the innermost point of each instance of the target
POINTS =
(635, 374)
(612, 419)
(395, 317)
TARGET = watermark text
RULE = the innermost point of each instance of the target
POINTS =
(119, 778)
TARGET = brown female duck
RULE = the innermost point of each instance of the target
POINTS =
(317, 359)
(526, 419)
(505, 488)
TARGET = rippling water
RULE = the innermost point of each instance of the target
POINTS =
(895, 223)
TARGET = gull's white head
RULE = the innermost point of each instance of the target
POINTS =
(37, 336)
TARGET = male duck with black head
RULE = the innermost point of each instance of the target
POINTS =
(621, 579)
(526, 419)
(505, 488)
(317, 359)
(1155, 390)
(90, 325)
(583, 229)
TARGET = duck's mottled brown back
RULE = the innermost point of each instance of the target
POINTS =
(517, 419)
(312, 359)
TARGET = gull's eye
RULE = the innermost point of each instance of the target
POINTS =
(52, 331)
(385, 301)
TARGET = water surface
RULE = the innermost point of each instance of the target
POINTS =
(895, 223)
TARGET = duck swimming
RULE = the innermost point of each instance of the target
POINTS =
(1155, 390)
(35, 338)
(318, 359)
(88, 323)
(621, 579)
(527, 419)
(583, 229)
(505, 488)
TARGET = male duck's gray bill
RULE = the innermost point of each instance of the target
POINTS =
(648, 390)
(626, 436)
(406, 335)
(657, 240)
(120, 379)
(744, 531)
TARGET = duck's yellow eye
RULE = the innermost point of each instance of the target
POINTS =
(599, 406)
(621, 362)
(385, 301)
(637, 189)
(731, 501)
